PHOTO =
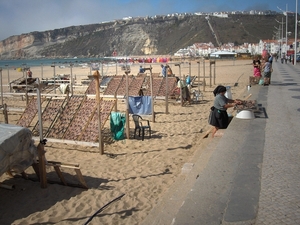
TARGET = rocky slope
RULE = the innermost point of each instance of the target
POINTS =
(140, 36)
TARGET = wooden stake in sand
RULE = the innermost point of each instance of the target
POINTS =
(167, 98)
(152, 99)
(210, 75)
(96, 77)
(127, 106)
(204, 81)
(5, 113)
(181, 99)
(40, 148)
(198, 76)
(71, 78)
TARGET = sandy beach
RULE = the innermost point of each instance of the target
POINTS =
(142, 170)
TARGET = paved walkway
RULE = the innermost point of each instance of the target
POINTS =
(252, 175)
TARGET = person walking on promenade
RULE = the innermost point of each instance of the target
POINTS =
(267, 68)
(219, 118)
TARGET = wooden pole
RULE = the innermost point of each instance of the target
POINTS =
(5, 113)
(42, 71)
(26, 91)
(210, 80)
(167, 97)
(54, 77)
(204, 81)
(42, 165)
(190, 75)
(8, 79)
(96, 77)
(181, 99)
(90, 68)
(39, 107)
(116, 105)
(127, 105)
(198, 76)
(152, 98)
(40, 148)
(215, 73)
(71, 78)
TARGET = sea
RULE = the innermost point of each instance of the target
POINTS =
(27, 63)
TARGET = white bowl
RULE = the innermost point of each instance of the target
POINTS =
(245, 114)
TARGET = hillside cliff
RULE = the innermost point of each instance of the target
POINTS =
(140, 36)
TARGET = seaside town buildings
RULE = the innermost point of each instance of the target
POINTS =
(278, 46)
(272, 46)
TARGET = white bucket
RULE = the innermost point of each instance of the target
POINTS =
(245, 114)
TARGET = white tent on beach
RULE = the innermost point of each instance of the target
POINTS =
(223, 54)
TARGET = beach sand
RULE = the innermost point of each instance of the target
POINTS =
(142, 170)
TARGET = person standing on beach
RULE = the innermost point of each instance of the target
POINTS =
(184, 90)
(267, 68)
(142, 70)
(256, 67)
(219, 118)
(170, 72)
(163, 70)
(29, 73)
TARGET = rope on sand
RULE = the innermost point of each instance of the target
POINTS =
(102, 208)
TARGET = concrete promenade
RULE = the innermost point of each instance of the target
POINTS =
(251, 175)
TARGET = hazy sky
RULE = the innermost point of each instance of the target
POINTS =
(25, 16)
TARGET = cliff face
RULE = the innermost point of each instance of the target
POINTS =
(140, 36)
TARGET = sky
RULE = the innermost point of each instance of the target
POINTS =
(25, 16)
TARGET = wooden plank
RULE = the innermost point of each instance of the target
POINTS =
(72, 142)
(80, 178)
(42, 165)
(62, 166)
(35, 167)
(59, 173)
(75, 165)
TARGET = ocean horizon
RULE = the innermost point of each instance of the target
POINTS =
(27, 63)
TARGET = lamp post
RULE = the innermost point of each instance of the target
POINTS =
(286, 23)
(286, 26)
(281, 39)
(296, 30)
